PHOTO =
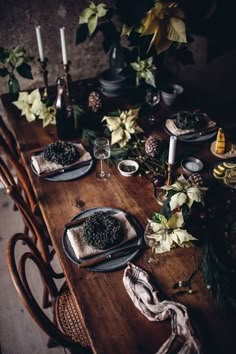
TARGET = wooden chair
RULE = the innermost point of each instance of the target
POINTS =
(37, 232)
(10, 150)
(21, 174)
(67, 329)
(9, 138)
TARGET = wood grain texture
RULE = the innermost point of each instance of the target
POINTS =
(114, 325)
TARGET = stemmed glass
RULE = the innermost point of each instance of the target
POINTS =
(102, 151)
(152, 98)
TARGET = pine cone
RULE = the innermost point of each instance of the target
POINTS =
(197, 179)
(153, 146)
(95, 101)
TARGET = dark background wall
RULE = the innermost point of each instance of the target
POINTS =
(210, 81)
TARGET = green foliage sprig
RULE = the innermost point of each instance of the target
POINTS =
(15, 60)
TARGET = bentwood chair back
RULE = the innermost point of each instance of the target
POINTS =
(21, 174)
(9, 138)
(67, 329)
(37, 233)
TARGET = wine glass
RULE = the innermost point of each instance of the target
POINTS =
(102, 151)
(152, 98)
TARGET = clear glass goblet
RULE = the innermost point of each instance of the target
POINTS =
(152, 98)
(102, 151)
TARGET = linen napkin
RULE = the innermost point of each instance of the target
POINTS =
(183, 339)
(172, 127)
(82, 249)
(42, 166)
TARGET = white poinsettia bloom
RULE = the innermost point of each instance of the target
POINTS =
(48, 115)
(167, 234)
(186, 193)
(24, 103)
(32, 107)
(145, 70)
(123, 126)
(91, 14)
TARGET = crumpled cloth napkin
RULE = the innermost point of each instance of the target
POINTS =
(42, 166)
(83, 250)
(183, 339)
(171, 126)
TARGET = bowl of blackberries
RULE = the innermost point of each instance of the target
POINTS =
(190, 119)
(61, 152)
(102, 230)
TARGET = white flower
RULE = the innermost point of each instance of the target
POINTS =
(91, 14)
(145, 70)
(167, 234)
(29, 104)
(48, 115)
(123, 126)
(186, 193)
(32, 107)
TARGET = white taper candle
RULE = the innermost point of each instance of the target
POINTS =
(63, 46)
(40, 44)
(172, 150)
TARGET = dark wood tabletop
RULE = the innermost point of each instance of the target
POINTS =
(113, 323)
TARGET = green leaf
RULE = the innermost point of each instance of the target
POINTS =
(92, 24)
(81, 33)
(102, 10)
(159, 218)
(3, 72)
(176, 30)
(86, 14)
(24, 70)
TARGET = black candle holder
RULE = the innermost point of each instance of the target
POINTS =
(67, 77)
(43, 65)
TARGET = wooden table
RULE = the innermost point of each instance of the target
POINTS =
(113, 324)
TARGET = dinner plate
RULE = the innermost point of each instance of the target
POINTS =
(185, 138)
(110, 264)
(68, 175)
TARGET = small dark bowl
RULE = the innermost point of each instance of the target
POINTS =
(111, 79)
(191, 165)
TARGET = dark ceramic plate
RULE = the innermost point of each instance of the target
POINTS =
(191, 137)
(114, 263)
(68, 175)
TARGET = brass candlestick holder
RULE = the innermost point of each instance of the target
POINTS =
(161, 194)
(169, 174)
(45, 78)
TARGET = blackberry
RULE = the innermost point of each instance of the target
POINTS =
(61, 152)
(190, 120)
(102, 231)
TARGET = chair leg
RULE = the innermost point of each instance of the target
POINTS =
(51, 343)
(46, 302)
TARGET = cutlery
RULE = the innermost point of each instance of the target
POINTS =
(113, 254)
(65, 169)
(198, 134)
(75, 222)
